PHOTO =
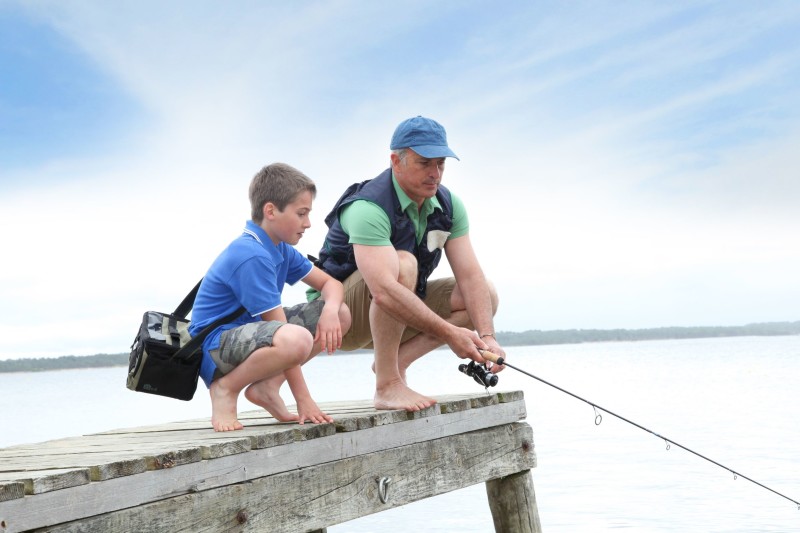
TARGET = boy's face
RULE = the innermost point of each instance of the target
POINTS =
(288, 225)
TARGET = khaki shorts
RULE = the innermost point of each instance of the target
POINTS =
(236, 345)
(358, 299)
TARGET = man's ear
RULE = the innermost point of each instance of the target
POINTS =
(395, 160)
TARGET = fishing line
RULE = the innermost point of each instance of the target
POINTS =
(599, 418)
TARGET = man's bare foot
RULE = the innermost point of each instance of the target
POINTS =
(398, 396)
(223, 408)
(266, 394)
(402, 372)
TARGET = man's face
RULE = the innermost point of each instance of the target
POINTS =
(418, 176)
(288, 225)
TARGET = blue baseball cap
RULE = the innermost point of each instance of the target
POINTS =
(423, 135)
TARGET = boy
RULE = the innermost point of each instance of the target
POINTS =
(267, 344)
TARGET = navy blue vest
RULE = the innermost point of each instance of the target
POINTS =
(336, 257)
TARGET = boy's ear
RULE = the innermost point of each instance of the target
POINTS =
(268, 210)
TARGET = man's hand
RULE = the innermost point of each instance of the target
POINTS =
(465, 344)
(492, 346)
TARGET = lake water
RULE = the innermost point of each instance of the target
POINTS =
(733, 400)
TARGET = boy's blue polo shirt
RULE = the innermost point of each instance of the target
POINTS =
(250, 272)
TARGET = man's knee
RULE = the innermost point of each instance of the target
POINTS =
(345, 318)
(408, 269)
(493, 296)
(457, 302)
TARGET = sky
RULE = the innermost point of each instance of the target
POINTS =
(624, 164)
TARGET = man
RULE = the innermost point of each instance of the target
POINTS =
(385, 237)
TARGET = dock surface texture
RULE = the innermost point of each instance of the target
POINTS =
(274, 476)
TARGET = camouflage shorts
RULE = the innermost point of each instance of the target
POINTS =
(236, 345)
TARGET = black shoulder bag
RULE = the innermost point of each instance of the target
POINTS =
(165, 359)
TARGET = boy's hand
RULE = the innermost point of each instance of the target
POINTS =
(308, 410)
(329, 330)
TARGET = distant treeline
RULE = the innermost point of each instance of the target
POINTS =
(64, 362)
(575, 336)
(505, 338)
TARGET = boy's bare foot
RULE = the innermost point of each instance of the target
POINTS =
(223, 408)
(398, 396)
(265, 393)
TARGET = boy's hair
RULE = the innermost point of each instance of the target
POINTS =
(280, 184)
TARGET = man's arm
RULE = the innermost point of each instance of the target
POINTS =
(380, 267)
(474, 289)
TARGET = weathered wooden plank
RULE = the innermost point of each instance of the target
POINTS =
(369, 419)
(484, 400)
(513, 503)
(456, 405)
(258, 437)
(126, 445)
(110, 454)
(225, 448)
(118, 493)
(510, 396)
(39, 482)
(88, 442)
(331, 493)
(36, 476)
(257, 418)
(10, 490)
(150, 459)
(126, 467)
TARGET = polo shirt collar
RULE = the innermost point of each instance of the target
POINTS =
(257, 232)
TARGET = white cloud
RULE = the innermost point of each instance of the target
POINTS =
(589, 207)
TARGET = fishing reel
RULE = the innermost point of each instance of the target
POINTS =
(479, 373)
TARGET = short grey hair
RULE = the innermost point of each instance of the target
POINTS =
(401, 153)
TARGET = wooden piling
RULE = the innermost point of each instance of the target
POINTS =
(513, 503)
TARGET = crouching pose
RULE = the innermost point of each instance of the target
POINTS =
(267, 345)
(385, 237)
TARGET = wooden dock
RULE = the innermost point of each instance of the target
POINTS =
(275, 476)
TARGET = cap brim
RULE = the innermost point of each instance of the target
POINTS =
(432, 151)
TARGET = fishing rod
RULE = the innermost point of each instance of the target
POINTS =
(486, 378)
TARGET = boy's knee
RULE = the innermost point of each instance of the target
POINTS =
(296, 343)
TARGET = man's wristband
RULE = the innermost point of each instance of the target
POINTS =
(488, 335)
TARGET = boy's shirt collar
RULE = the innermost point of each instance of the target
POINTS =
(257, 232)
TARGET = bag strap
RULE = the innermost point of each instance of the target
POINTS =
(194, 344)
(186, 305)
(172, 328)
(183, 309)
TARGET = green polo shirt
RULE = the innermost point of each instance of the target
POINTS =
(367, 223)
